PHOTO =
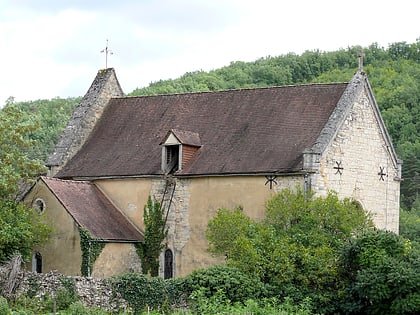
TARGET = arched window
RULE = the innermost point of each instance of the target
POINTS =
(37, 263)
(169, 264)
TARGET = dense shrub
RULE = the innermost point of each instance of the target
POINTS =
(235, 285)
(140, 291)
(383, 274)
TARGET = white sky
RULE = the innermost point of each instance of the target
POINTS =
(51, 48)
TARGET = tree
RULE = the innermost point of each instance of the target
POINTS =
(294, 248)
(21, 228)
(410, 222)
(154, 235)
(382, 271)
(225, 228)
(16, 168)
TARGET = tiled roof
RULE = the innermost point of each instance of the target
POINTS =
(245, 131)
(92, 210)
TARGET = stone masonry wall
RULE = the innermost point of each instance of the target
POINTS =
(176, 203)
(104, 87)
(354, 161)
(90, 291)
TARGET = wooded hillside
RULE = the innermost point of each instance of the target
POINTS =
(394, 73)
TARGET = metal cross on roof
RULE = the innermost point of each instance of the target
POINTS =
(107, 51)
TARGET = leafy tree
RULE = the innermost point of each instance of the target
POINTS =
(21, 230)
(154, 235)
(16, 168)
(383, 274)
(410, 222)
(232, 224)
(294, 249)
(51, 117)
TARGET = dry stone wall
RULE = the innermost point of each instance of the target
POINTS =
(90, 291)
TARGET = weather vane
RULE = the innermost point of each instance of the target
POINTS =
(107, 51)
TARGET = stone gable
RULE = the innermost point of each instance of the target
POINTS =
(354, 161)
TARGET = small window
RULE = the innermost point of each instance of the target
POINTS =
(39, 205)
(172, 158)
(169, 264)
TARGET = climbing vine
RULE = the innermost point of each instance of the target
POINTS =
(91, 248)
(154, 235)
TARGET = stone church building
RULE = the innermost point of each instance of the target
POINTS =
(198, 152)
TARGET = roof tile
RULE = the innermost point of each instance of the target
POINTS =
(92, 210)
(241, 131)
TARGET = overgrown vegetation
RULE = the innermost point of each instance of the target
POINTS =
(294, 250)
(21, 230)
(309, 255)
(91, 249)
(30, 303)
(154, 235)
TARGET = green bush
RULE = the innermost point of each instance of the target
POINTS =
(66, 295)
(383, 274)
(4, 306)
(176, 295)
(140, 291)
(235, 285)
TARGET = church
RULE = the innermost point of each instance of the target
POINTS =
(198, 152)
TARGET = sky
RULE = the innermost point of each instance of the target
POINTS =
(52, 48)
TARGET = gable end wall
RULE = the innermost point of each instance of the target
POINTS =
(104, 87)
(360, 148)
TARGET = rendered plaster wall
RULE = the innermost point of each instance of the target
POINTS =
(129, 196)
(195, 201)
(116, 259)
(359, 148)
(192, 203)
(62, 252)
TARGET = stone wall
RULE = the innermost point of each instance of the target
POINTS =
(91, 292)
(104, 87)
(354, 160)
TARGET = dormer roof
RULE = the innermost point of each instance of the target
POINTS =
(183, 137)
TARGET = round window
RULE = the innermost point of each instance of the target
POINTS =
(39, 205)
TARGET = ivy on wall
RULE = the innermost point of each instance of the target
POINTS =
(91, 248)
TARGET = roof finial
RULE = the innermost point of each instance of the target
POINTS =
(360, 55)
(107, 51)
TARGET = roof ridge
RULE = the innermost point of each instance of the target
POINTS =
(233, 90)
(67, 180)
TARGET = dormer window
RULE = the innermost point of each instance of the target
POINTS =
(178, 148)
(172, 158)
